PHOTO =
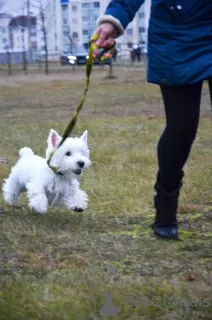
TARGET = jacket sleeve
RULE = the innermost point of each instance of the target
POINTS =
(120, 13)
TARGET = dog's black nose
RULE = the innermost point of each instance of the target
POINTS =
(81, 164)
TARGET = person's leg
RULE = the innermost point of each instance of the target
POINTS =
(182, 108)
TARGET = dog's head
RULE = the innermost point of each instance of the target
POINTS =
(72, 156)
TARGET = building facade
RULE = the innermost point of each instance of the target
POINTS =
(4, 32)
(79, 21)
(23, 33)
(67, 23)
(54, 24)
(20, 33)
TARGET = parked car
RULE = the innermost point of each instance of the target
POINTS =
(79, 55)
(76, 55)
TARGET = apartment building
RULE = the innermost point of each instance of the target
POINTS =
(136, 31)
(4, 31)
(20, 33)
(68, 22)
(23, 33)
(79, 21)
(54, 24)
(82, 19)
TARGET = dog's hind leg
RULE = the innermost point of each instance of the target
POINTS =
(11, 188)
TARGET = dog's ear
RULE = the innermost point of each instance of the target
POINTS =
(84, 136)
(53, 138)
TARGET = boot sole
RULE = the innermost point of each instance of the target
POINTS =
(176, 238)
(167, 238)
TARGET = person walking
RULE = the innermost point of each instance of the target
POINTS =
(179, 60)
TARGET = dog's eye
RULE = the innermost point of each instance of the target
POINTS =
(68, 153)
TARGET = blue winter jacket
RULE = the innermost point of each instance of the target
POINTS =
(179, 38)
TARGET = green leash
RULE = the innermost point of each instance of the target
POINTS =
(89, 66)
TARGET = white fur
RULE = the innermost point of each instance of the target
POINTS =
(45, 188)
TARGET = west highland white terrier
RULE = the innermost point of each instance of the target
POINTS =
(44, 187)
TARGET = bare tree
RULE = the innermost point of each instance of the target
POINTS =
(23, 30)
(70, 39)
(24, 51)
(8, 54)
(42, 12)
(43, 28)
(2, 3)
(9, 63)
(28, 28)
(72, 44)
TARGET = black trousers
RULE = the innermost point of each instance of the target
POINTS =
(182, 108)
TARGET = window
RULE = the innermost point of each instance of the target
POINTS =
(4, 40)
(85, 5)
(75, 34)
(142, 29)
(34, 45)
(96, 4)
(74, 21)
(85, 32)
(65, 8)
(129, 32)
(65, 21)
(74, 8)
(33, 29)
(84, 19)
(95, 18)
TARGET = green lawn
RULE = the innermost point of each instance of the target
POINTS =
(68, 266)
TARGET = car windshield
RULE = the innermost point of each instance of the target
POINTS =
(78, 50)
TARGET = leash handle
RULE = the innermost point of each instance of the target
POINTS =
(93, 46)
(89, 66)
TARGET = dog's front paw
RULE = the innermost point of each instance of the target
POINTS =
(78, 202)
(39, 204)
(78, 209)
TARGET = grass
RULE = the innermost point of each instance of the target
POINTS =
(63, 265)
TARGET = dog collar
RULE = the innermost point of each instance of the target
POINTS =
(54, 169)
(59, 173)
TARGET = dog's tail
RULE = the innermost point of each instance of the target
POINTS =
(25, 152)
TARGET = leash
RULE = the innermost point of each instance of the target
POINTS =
(89, 65)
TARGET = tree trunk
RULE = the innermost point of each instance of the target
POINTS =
(46, 56)
(45, 41)
(24, 63)
(9, 63)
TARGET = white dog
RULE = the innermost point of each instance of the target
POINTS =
(44, 187)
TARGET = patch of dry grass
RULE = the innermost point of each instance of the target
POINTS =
(63, 264)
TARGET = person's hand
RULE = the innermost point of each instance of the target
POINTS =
(107, 34)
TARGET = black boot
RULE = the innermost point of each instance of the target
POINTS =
(166, 205)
